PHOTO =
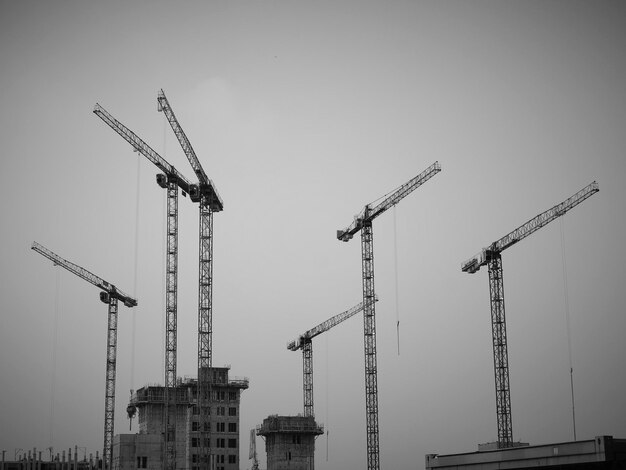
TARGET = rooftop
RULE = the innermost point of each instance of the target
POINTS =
(289, 424)
(600, 452)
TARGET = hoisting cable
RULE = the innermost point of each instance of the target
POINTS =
(55, 334)
(395, 259)
(327, 378)
(131, 409)
(567, 323)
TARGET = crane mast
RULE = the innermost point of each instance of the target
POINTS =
(304, 342)
(170, 180)
(171, 321)
(491, 256)
(363, 223)
(209, 201)
(110, 295)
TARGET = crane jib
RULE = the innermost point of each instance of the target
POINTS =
(205, 187)
(88, 276)
(171, 173)
(369, 213)
(481, 259)
(325, 326)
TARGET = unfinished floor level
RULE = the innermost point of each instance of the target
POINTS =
(145, 449)
(290, 441)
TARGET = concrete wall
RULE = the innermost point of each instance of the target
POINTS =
(137, 451)
(290, 451)
(290, 441)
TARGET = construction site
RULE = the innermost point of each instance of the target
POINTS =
(194, 423)
(295, 235)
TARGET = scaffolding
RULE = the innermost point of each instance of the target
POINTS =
(289, 424)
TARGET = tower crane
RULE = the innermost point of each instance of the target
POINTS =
(363, 222)
(209, 201)
(171, 180)
(491, 256)
(305, 342)
(109, 295)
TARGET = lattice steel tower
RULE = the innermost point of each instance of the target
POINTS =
(204, 193)
(491, 257)
(363, 223)
(170, 180)
(109, 295)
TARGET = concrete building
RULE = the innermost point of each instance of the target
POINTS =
(290, 441)
(603, 452)
(145, 449)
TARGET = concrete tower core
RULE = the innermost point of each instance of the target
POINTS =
(290, 441)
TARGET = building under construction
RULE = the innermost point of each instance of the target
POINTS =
(290, 441)
(145, 449)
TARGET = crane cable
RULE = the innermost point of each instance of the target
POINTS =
(130, 409)
(327, 406)
(395, 258)
(567, 322)
(55, 335)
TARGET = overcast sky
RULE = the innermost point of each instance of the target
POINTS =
(302, 113)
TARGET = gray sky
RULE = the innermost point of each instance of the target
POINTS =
(301, 113)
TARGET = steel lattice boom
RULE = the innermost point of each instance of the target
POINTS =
(363, 223)
(304, 342)
(109, 295)
(369, 213)
(206, 186)
(170, 180)
(324, 326)
(491, 256)
(143, 148)
(209, 201)
(481, 259)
